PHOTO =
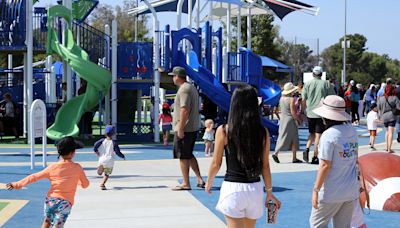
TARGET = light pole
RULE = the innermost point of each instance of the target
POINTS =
(344, 41)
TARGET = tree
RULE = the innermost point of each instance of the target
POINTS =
(263, 34)
(333, 56)
(298, 55)
(104, 14)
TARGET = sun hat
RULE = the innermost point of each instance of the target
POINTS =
(389, 81)
(178, 71)
(110, 130)
(317, 70)
(68, 144)
(289, 88)
(333, 108)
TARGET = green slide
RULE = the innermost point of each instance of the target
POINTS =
(98, 78)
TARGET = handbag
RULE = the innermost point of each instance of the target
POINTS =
(395, 111)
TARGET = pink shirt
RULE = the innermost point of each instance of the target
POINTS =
(166, 119)
(64, 177)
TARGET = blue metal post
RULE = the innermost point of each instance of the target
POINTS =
(208, 48)
(218, 34)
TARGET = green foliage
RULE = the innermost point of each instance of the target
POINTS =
(363, 67)
(300, 56)
(104, 14)
(263, 34)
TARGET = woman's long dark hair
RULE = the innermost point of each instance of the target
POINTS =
(246, 135)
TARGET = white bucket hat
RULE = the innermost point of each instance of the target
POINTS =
(289, 88)
(333, 108)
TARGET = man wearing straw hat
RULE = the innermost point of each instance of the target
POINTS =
(313, 91)
(336, 188)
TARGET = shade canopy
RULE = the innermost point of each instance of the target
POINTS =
(279, 67)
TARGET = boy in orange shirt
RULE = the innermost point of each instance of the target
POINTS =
(65, 176)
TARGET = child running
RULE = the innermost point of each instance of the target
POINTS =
(372, 124)
(106, 149)
(209, 137)
(166, 119)
(64, 176)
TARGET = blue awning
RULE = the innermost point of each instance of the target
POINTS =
(279, 67)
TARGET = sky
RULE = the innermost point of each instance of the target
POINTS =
(378, 20)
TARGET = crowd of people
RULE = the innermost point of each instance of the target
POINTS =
(245, 143)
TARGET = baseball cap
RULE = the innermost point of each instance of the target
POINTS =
(179, 71)
(352, 82)
(165, 105)
(68, 144)
(110, 130)
(317, 70)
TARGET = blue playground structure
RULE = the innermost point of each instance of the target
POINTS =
(136, 83)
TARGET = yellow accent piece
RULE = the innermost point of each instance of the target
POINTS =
(11, 209)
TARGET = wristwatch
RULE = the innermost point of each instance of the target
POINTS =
(316, 190)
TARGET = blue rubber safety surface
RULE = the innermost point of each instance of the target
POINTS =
(293, 189)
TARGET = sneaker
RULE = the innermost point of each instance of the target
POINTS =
(372, 148)
(315, 160)
(305, 155)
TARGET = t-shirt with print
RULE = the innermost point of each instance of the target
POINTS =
(339, 144)
(371, 120)
(313, 92)
(187, 96)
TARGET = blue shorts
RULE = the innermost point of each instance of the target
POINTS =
(56, 211)
(166, 128)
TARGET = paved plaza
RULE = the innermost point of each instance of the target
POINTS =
(139, 191)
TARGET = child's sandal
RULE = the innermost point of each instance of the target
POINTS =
(103, 187)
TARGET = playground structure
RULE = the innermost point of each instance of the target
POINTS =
(129, 69)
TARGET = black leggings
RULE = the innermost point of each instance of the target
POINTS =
(354, 112)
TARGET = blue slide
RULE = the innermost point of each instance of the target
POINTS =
(270, 92)
(214, 90)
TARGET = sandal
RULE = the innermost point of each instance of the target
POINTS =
(103, 187)
(276, 159)
(297, 161)
(202, 185)
(181, 188)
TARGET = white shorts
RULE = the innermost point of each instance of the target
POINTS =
(241, 200)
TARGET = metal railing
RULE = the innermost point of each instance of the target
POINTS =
(93, 41)
(234, 68)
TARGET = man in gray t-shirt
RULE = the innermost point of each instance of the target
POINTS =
(312, 93)
(185, 121)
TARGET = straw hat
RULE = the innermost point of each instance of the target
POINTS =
(333, 108)
(289, 88)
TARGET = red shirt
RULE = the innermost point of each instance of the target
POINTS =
(347, 96)
(166, 119)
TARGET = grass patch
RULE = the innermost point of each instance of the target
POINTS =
(3, 205)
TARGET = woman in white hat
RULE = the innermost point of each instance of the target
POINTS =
(288, 138)
(336, 187)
